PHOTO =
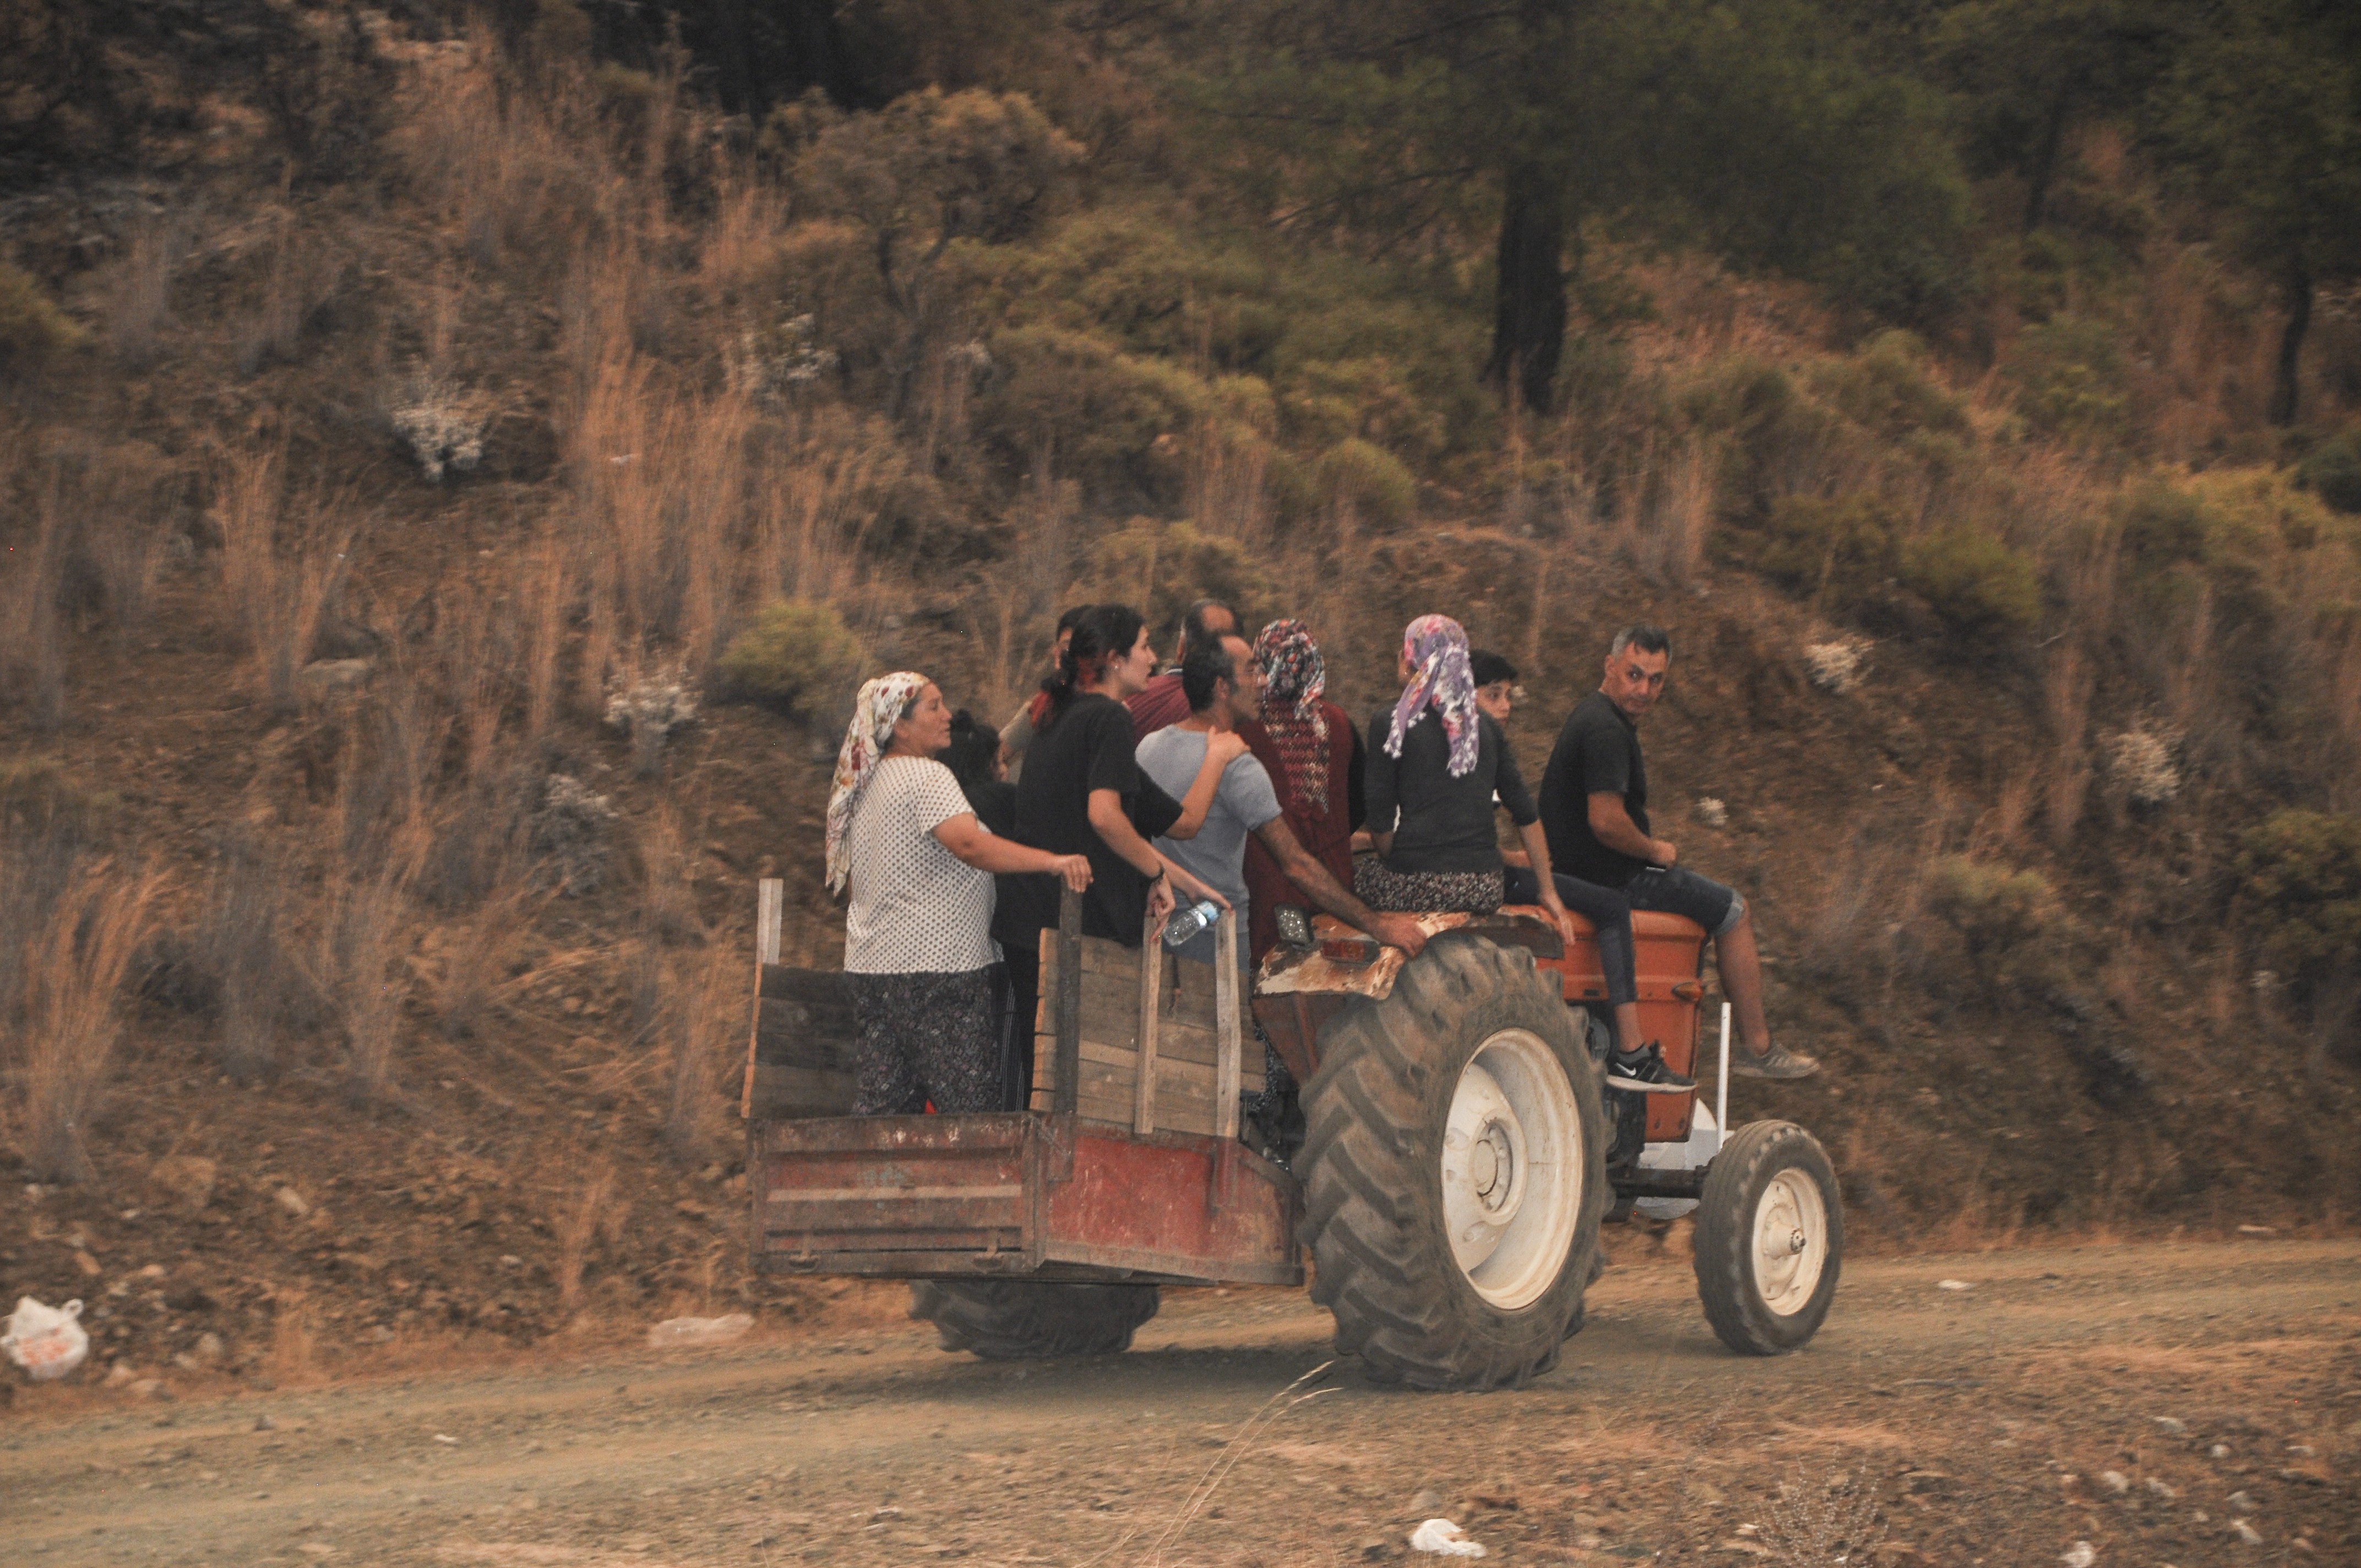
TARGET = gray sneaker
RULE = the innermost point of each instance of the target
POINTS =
(1776, 1062)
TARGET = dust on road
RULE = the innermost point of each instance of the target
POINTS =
(2181, 1404)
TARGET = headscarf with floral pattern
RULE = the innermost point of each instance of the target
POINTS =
(1436, 649)
(1294, 678)
(882, 704)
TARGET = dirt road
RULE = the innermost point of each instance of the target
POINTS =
(2150, 1400)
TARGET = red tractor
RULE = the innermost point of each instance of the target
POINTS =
(1458, 1151)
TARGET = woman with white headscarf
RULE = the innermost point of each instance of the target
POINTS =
(1431, 785)
(918, 935)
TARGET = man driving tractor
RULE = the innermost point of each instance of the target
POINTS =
(1594, 806)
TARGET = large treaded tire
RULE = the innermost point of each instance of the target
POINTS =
(1012, 1320)
(1731, 1217)
(1372, 1166)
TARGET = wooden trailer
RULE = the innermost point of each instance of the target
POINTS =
(1128, 1168)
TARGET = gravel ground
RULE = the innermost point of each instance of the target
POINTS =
(2150, 1404)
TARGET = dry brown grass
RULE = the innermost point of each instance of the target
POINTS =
(33, 643)
(69, 1012)
(280, 577)
(137, 291)
(367, 979)
(576, 1231)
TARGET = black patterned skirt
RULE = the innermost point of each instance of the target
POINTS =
(1424, 893)
(926, 1039)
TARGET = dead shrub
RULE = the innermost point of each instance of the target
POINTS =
(367, 978)
(304, 280)
(706, 1038)
(137, 291)
(277, 596)
(32, 622)
(69, 1011)
(577, 1230)
(243, 948)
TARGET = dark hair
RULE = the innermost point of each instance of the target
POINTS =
(1102, 632)
(974, 750)
(1487, 667)
(1192, 632)
(1072, 614)
(1646, 638)
(1202, 668)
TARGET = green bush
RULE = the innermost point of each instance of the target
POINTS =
(1841, 550)
(2299, 892)
(1978, 584)
(1099, 411)
(2069, 373)
(1159, 568)
(1996, 910)
(1885, 387)
(2332, 471)
(797, 657)
(32, 328)
(1377, 484)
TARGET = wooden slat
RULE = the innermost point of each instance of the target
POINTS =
(771, 900)
(1152, 1015)
(1068, 993)
(1229, 1048)
(776, 1094)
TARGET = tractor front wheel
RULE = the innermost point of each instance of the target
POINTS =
(1770, 1238)
(1015, 1319)
(1455, 1170)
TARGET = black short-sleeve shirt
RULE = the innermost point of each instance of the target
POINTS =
(1440, 823)
(1598, 752)
(1087, 746)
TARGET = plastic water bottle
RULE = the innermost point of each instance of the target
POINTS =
(1182, 926)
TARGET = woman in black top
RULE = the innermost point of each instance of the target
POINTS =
(1431, 784)
(1082, 789)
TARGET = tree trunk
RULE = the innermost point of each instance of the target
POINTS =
(1529, 318)
(2298, 304)
(2044, 163)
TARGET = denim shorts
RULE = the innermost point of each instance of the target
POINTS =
(1680, 891)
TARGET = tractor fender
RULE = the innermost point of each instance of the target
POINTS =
(1296, 991)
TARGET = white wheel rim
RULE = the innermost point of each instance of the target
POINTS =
(1791, 1241)
(1512, 1168)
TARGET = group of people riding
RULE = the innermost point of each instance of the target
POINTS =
(1230, 777)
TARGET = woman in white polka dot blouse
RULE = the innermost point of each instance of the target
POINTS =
(918, 940)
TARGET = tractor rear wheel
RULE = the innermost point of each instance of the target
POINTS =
(1017, 1320)
(1770, 1239)
(1454, 1170)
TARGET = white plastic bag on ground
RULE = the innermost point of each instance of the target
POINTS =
(1444, 1539)
(674, 1333)
(47, 1342)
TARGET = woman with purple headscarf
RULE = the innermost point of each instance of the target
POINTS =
(1431, 782)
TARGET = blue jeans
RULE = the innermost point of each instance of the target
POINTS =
(1609, 912)
(1680, 891)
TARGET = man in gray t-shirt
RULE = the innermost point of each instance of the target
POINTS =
(1224, 685)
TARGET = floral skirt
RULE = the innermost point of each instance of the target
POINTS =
(926, 1039)
(1424, 893)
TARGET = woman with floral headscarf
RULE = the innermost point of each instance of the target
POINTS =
(1430, 786)
(1315, 758)
(918, 935)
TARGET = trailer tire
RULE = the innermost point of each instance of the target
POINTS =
(1017, 1320)
(1770, 1239)
(1464, 1103)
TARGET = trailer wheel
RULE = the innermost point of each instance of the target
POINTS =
(1015, 1319)
(1770, 1239)
(1455, 1172)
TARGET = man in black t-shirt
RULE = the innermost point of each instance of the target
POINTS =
(1594, 806)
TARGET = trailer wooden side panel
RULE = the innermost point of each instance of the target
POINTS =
(1017, 1195)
